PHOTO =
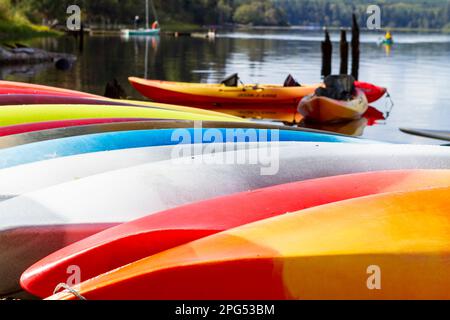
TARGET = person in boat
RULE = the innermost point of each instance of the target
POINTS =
(155, 25)
(137, 19)
(388, 39)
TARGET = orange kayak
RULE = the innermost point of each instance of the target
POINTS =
(326, 110)
(390, 246)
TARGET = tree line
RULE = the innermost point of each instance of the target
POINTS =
(426, 14)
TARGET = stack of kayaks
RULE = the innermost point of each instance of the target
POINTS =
(155, 201)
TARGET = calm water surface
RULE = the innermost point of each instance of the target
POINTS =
(416, 71)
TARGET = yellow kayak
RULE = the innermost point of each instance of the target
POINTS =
(389, 246)
(15, 115)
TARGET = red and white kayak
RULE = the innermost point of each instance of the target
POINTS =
(136, 240)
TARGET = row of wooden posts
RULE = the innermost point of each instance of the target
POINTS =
(327, 52)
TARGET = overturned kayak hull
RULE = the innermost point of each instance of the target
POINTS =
(16, 115)
(11, 87)
(393, 246)
(326, 110)
(51, 99)
(136, 240)
(128, 194)
(52, 144)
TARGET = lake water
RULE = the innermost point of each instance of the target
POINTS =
(416, 71)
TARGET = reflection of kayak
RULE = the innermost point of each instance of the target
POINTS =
(274, 102)
(352, 128)
(10, 87)
(128, 194)
(130, 242)
(389, 246)
(432, 134)
(13, 115)
(324, 110)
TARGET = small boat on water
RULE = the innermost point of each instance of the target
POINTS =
(338, 101)
(153, 234)
(369, 248)
(154, 30)
(388, 40)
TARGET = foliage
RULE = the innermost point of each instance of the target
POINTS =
(434, 14)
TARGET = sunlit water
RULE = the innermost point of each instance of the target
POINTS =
(416, 71)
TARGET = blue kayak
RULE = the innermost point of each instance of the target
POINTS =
(110, 141)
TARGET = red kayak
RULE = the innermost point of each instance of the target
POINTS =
(372, 92)
(133, 241)
(10, 87)
(39, 126)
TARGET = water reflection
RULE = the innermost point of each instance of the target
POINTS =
(355, 128)
(416, 72)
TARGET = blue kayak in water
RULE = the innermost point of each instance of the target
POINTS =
(110, 141)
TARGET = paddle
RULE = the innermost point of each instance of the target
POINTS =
(432, 134)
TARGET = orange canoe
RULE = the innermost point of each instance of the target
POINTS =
(390, 246)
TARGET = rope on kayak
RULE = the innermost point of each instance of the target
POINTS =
(69, 289)
(392, 104)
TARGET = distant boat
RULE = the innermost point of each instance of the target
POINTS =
(387, 40)
(147, 31)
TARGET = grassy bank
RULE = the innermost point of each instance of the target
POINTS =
(14, 25)
(12, 31)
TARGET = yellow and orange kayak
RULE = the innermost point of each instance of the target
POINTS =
(326, 110)
(390, 246)
(249, 101)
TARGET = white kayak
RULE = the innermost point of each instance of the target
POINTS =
(39, 223)
(33, 176)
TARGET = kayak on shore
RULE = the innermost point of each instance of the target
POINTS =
(338, 251)
(130, 242)
(57, 218)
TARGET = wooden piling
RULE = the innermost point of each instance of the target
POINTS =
(81, 38)
(344, 53)
(327, 54)
(355, 48)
